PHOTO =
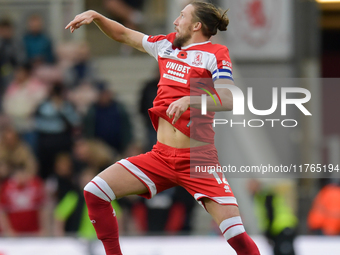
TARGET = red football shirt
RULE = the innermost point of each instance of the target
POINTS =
(183, 72)
(22, 203)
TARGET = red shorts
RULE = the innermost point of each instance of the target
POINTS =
(165, 167)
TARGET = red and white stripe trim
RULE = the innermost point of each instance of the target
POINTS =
(232, 227)
(220, 200)
(140, 175)
(101, 189)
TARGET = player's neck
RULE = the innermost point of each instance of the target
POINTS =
(196, 38)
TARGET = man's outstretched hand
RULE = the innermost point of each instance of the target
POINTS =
(84, 18)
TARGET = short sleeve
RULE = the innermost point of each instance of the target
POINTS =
(155, 44)
(222, 67)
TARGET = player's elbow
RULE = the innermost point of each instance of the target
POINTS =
(126, 35)
(120, 34)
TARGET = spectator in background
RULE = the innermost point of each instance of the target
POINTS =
(22, 200)
(169, 212)
(10, 54)
(66, 55)
(37, 44)
(48, 74)
(61, 181)
(82, 69)
(148, 94)
(71, 215)
(128, 12)
(20, 101)
(83, 96)
(325, 213)
(92, 153)
(108, 121)
(56, 121)
(4, 172)
(275, 217)
(14, 152)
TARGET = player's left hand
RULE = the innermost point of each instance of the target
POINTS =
(176, 109)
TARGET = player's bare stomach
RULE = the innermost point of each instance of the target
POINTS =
(171, 136)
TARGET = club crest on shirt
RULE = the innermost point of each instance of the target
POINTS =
(198, 59)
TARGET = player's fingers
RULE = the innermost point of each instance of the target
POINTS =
(68, 25)
(173, 111)
(178, 114)
(169, 110)
(175, 119)
(82, 22)
(75, 26)
(170, 115)
(72, 23)
(76, 22)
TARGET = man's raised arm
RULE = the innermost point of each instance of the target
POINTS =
(112, 29)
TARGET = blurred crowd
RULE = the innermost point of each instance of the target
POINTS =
(60, 125)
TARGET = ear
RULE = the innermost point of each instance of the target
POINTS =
(197, 26)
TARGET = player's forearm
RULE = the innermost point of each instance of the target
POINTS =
(111, 28)
(227, 103)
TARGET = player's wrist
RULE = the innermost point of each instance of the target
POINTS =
(94, 15)
(187, 100)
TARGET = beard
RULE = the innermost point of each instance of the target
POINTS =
(181, 40)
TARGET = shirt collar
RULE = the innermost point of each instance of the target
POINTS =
(194, 44)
